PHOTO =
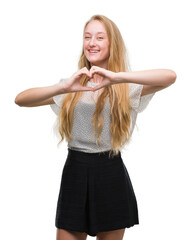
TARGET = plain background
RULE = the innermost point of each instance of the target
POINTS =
(41, 42)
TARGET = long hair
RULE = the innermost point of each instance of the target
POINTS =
(118, 93)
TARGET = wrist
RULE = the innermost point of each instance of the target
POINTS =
(118, 77)
(60, 88)
(121, 77)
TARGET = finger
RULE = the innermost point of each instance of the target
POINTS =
(98, 87)
(97, 70)
(87, 72)
(93, 71)
(86, 89)
(84, 72)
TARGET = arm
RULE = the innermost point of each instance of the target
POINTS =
(153, 80)
(33, 97)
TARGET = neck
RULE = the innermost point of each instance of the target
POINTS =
(102, 65)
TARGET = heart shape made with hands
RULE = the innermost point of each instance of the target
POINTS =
(93, 76)
(98, 77)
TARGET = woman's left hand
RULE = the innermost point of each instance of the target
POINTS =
(102, 76)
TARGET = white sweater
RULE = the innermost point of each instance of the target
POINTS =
(82, 129)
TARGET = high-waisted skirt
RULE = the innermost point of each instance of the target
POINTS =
(96, 194)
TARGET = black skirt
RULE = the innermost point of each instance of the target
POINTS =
(96, 194)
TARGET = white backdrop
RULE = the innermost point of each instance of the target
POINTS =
(40, 43)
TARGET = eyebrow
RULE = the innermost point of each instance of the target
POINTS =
(97, 32)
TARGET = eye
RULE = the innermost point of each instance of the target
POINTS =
(100, 37)
(86, 37)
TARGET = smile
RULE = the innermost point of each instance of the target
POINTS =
(92, 51)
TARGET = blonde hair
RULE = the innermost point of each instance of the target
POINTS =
(118, 93)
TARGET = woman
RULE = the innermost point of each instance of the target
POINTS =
(97, 109)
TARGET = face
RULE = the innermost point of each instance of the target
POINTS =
(96, 44)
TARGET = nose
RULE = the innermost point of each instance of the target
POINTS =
(92, 42)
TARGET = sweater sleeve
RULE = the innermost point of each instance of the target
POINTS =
(138, 102)
(58, 99)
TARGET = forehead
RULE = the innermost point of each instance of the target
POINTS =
(94, 27)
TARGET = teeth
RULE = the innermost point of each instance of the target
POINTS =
(93, 51)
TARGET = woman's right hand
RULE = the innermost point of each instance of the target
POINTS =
(73, 83)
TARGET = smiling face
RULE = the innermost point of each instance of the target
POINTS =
(96, 44)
